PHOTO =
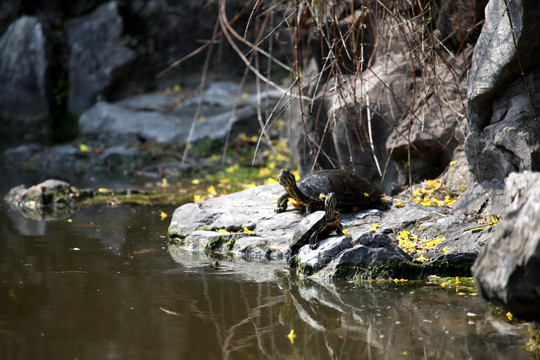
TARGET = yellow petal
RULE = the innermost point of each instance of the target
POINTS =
(84, 148)
(291, 336)
(212, 190)
(163, 215)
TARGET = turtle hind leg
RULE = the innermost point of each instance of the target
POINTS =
(282, 203)
(290, 256)
(314, 240)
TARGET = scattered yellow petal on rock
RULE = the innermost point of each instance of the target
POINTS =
(509, 316)
(247, 231)
(399, 204)
(84, 148)
(374, 227)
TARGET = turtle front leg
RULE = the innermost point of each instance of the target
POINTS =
(282, 203)
(339, 229)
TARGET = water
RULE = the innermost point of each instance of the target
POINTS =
(104, 285)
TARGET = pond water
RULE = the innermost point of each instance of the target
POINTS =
(104, 285)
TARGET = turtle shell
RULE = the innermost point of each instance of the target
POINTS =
(306, 228)
(352, 190)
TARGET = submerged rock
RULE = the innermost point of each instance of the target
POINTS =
(245, 225)
(50, 199)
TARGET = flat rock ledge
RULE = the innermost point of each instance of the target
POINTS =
(243, 225)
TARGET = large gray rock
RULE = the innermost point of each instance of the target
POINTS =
(112, 120)
(98, 58)
(24, 78)
(502, 103)
(507, 271)
(218, 226)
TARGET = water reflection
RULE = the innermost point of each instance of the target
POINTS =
(104, 285)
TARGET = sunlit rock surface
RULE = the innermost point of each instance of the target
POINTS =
(245, 225)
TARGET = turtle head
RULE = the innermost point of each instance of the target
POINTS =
(330, 203)
(286, 179)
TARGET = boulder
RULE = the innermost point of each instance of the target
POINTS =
(98, 59)
(244, 225)
(109, 120)
(507, 270)
(51, 199)
(502, 101)
(24, 67)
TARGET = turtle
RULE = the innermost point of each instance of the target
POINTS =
(316, 225)
(353, 192)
